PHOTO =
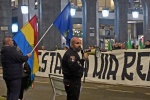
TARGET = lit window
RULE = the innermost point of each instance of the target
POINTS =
(14, 4)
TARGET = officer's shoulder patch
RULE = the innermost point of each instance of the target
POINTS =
(72, 58)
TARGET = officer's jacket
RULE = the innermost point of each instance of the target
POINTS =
(72, 65)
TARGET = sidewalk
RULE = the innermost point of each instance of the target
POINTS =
(1, 71)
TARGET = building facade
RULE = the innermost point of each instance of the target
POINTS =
(88, 22)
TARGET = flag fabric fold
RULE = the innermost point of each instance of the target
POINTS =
(26, 39)
(141, 44)
(129, 45)
(64, 23)
(109, 46)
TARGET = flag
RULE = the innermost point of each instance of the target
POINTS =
(141, 44)
(64, 23)
(109, 46)
(129, 45)
(26, 39)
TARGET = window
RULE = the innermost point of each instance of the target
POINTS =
(14, 4)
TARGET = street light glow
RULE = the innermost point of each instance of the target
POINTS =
(14, 27)
(24, 9)
(135, 14)
(105, 12)
(72, 11)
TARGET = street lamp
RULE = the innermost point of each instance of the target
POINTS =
(14, 27)
(135, 14)
(24, 9)
(73, 10)
(105, 11)
(136, 9)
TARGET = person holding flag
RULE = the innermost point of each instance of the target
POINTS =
(12, 62)
(27, 39)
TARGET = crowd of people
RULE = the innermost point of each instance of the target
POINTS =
(116, 46)
(56, 48)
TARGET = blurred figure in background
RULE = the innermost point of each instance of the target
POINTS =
(65, 48)
(43, 47)
(147, 44)
(123, 46)
(116, 46)
(133, 46)
(56, 47)
(137, 46)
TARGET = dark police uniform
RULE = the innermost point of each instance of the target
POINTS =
(12, 62)
(72, 67)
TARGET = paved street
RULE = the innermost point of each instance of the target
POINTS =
(43, 91)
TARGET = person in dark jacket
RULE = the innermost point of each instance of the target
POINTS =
(26, 80)
(72, 68)
(147, 44)
(12, 62)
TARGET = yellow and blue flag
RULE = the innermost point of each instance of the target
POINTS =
(26, 39)
(64, 23)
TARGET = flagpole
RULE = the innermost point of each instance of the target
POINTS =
(42, 37)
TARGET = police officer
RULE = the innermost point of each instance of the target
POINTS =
(12, 67)
(72, 67)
